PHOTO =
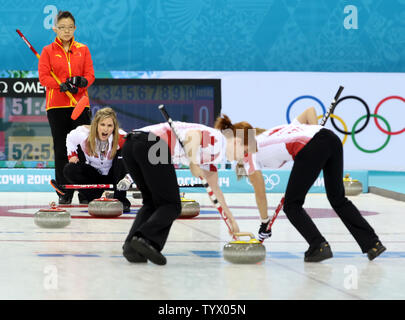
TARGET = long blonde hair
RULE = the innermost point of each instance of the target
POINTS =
(91, 143)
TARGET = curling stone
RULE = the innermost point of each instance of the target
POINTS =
(352, 187)
(244, 252)
(189, 208)
(52, 217)
(105, 208)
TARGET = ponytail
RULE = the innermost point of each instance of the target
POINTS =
(240, 129)
(223, 123)
(229, 130)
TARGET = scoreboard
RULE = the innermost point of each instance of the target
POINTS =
(25, 135)
(136, 100)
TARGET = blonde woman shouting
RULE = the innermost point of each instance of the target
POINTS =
(101, 143)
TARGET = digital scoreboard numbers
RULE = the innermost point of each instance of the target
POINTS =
(22, 148)
(28, 133)
(136, 100)
(28, 109)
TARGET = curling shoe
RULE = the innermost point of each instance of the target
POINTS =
(145, 248)
(131, 255)
(376, 251)
(319, 253)
(65, 199)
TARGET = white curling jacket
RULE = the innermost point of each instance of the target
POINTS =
(79, 136)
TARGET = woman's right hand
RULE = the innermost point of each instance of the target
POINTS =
(234, 227)
(74, 159)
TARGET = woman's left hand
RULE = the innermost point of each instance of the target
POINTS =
(74, 159)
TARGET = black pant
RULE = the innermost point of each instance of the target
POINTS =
(61, 124)
(82, 173)
(158, 186)
(324, 152)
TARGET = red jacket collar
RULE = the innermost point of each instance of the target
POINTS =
(59, 42)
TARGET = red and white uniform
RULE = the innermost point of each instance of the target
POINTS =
(279, 145)
(212, 145)
(79, 136)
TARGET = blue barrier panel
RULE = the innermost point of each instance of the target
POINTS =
(26, 180)
(275, 180)
(37, 180)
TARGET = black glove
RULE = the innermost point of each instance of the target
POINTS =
(263, 232)
(67, 86)
(78, 81)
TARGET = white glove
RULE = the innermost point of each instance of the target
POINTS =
(124, 184)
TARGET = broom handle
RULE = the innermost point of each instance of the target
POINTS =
(59, 188)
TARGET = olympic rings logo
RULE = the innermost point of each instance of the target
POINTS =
(272, 180)
(354, 129)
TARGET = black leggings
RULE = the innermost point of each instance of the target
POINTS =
(61, 124)
(324, 152)
(158, 186)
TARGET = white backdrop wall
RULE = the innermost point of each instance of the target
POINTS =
(262, 98)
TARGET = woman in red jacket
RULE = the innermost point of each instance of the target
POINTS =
(72, 64)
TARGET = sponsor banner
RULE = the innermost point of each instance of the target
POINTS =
(37, 180)
(26, 180)
(28, 87)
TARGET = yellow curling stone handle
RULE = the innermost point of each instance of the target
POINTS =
(186, 200)
(348, 179)
(247, 234)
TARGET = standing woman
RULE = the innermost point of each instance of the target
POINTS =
(149, 154)
(101, 143)
(71, 62)
(312, 148)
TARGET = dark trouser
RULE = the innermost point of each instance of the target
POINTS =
(324, 152)
(82, 173)
(158, 186)
(61, 124)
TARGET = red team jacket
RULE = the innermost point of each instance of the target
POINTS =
(76, 62)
